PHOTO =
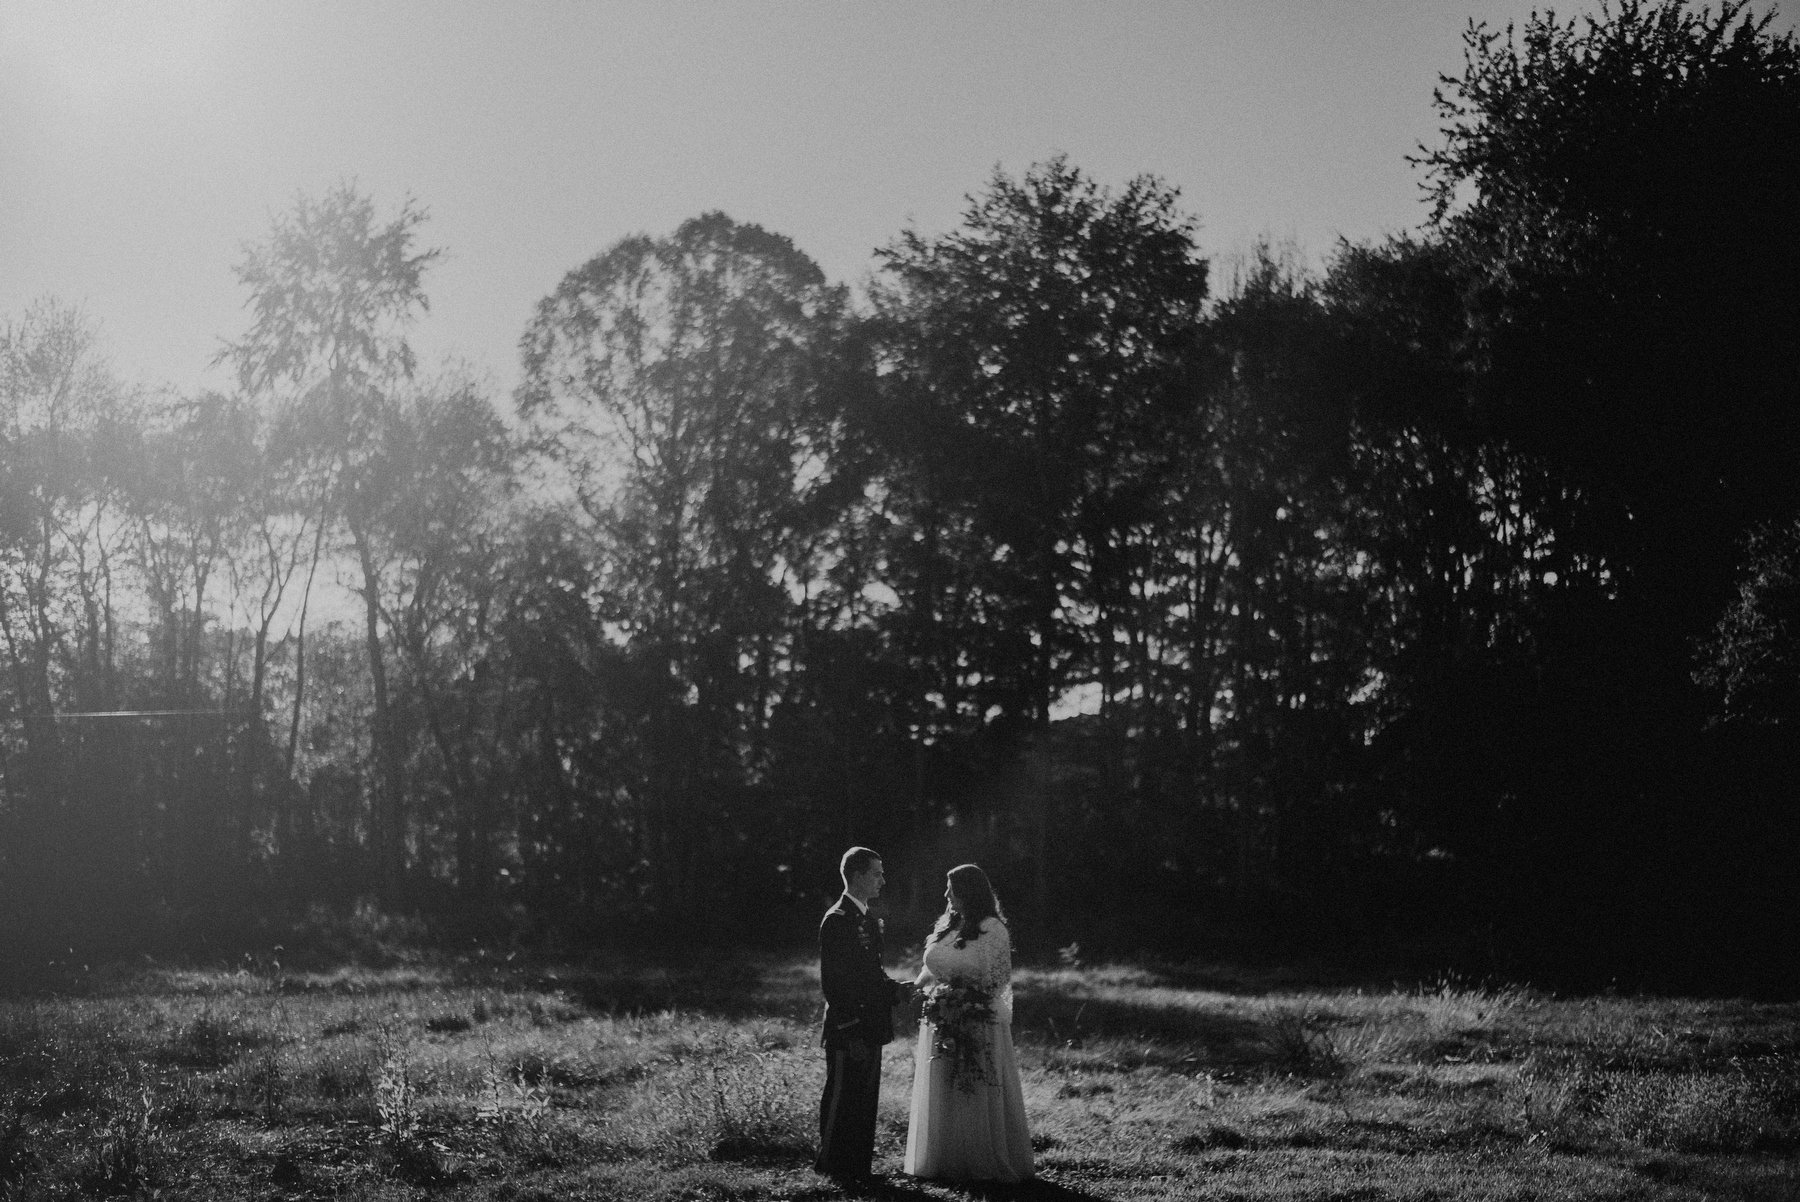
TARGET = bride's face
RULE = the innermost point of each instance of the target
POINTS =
(950, 897)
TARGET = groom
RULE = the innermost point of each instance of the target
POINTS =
(859, 1000)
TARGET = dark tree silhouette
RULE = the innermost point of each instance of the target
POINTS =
(684, 384)
(1752, 661)
(1439, 606)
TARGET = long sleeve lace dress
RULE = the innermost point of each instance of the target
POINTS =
(968, 1113)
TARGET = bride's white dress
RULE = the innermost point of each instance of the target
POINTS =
(970, 1130)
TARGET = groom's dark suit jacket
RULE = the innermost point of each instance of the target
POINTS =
(859, 997)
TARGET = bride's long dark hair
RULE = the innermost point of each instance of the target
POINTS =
(972, 889)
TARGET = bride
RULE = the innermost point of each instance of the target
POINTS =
(968, 1110)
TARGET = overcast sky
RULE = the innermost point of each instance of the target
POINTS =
(141, 144)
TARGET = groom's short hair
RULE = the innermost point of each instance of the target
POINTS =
(856, 861)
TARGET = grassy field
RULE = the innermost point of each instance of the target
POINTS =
(632, 1080)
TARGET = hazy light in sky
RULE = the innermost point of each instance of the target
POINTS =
(142, 144)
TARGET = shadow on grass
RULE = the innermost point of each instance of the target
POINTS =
(735, 987)
(728, 989)
(1038, 1189)
(1182, 1035)
(901, 1188)
(1241, 980)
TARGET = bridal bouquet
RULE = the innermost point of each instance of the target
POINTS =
(959, 1016)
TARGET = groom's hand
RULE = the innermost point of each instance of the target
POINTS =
(858, 1051)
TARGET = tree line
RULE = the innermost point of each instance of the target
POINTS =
(1431, 601)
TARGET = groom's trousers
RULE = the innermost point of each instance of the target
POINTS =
(847, 1112)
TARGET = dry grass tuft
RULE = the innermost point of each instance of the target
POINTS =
(1746, 1108)
(726, 1103)
(1299, 1043)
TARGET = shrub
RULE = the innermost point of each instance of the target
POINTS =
(268, 1084)
(403, 1148)
(396, 1104)
(126, 1152)
(519, 1111)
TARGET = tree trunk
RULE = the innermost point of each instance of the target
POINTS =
(293, 744)
(390, 817)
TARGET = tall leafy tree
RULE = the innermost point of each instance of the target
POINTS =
(440, 521)
(68, 429)
(1037, 352)
(1033, 363)
(332, 290)
(1574, 392)
(69, 434)
(1615, 191)
(684, 383)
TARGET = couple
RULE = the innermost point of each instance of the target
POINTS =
(968, 1110)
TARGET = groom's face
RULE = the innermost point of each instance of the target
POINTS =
(872, 880)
